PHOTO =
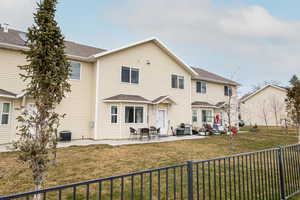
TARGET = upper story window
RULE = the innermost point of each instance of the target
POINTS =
(75, 70)
(201, 87)
(5, 112)
(130, 75)
(177, 81)
(227, 90)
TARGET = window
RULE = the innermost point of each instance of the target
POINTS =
(194, 116)
(201, 87)
(139, 112)
(5, 113)
(134, 114)
(130, 75)
(75, 70)
(206, 116)
(174, 81)
(114, 114)
(177, 81)
(227, 90)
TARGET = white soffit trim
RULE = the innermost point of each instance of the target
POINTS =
(158, 43)
(261, 89)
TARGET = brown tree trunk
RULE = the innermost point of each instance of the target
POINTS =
(38, 186)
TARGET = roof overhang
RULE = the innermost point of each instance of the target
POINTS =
(159, 44)
(215, 81)
(23, 48)
(12, 96)
(127, 101)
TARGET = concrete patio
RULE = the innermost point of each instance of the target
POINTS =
(8, 147)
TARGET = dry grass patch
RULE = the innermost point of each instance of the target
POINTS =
(95, 161)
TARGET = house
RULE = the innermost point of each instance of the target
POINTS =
(264, 107)
(139, 85)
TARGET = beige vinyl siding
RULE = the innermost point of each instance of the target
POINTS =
(252, 109)
(154, 81)
(9, 75)
(214, 93)
(78, 105)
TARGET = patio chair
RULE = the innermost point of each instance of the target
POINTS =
(133, 133)
(153, 131)
(158, 131)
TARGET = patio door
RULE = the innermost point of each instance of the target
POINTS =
(161, 121)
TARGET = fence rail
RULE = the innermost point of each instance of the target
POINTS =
(267, 174)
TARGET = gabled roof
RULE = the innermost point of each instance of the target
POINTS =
(162, 99)
(159, 44)
(15, 39)
(251, 94)
(127, 98)
(208, 76)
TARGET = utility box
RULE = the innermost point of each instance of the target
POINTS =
(65, 136)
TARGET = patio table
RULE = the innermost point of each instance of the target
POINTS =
(144, 132)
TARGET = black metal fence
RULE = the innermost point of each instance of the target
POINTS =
(267, 174)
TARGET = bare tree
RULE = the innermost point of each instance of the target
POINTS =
(258, 86)
(265, 113)
(277, 107)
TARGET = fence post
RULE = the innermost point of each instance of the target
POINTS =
(190, 180)
(281, 173)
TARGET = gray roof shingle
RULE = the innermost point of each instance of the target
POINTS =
(206, 75)
(5, 92)
(126, 97)
(14, 37)
(202, 103)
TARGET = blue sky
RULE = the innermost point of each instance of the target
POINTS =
(250, 41)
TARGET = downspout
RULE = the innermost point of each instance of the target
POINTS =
(96, 100)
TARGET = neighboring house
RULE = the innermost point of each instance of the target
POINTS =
(139, 85)
(264, 107)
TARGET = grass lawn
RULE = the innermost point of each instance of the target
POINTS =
(95, 161)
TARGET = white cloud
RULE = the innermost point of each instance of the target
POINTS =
(17, 13)
(246, 35)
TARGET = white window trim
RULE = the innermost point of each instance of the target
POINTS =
(1, 112)
(178, 81)
(134, 106)
(130, 68)
(80, 71)
(201, 92)
(111, 114)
